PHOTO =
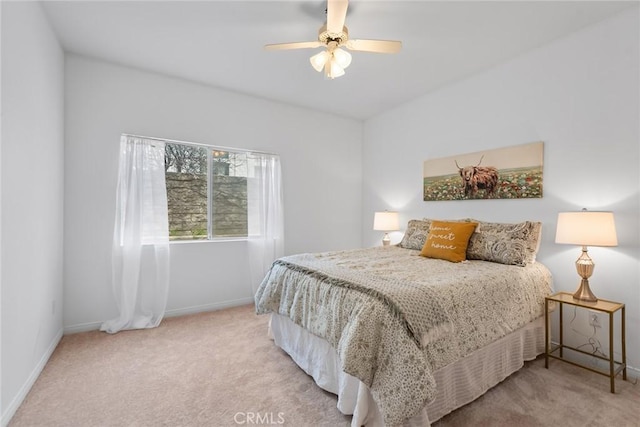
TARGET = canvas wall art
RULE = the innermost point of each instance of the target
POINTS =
(505, 173)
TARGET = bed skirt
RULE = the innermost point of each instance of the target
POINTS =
(459, 383)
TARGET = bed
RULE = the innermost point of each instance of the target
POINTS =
(402, 334)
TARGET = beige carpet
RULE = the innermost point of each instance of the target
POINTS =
(220, 369)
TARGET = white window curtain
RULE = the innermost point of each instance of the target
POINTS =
(140, 256)
(265, 211)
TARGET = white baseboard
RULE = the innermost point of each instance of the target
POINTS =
(208, 307)
(633, 372)
(26, 387)
(92, 326)
(82, 327)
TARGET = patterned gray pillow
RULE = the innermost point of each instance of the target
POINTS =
(513, 244)
(416, 234)
(418, 229)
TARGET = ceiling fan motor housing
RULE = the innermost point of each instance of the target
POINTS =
(326, 37)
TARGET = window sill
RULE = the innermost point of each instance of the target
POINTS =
(218, 240)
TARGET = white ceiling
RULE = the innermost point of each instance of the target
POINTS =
(220, 43)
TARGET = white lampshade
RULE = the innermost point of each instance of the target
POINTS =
(319, 60)
(586, 228)
(342, 57)
(334, 70)
(386, 221)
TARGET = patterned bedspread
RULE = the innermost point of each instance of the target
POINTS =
(395, 317)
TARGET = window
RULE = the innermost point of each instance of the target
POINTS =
(206, 192)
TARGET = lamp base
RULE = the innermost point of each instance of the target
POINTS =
(584, 292)
(386, 240)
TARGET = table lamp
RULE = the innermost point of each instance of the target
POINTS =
(386, 221)
(586, 228)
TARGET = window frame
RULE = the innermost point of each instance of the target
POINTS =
(209, 147)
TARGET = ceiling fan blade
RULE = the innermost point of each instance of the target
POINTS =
(336, 14)
(377, 46)
(294, 45)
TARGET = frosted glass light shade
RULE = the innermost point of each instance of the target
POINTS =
(586, 228)
(319, 60)
(334, 70)
(386, 221)
(342, 58)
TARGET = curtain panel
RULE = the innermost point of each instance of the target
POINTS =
(265, 214)
(140, 252)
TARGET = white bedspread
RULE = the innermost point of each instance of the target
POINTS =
(479, 302)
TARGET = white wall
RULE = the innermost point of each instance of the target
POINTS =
(580, 95)
(1, 115)
(322, 175)
(32, 198)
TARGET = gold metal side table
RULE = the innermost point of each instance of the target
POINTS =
(603, 306)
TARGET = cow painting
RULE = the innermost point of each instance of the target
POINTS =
(478, 177)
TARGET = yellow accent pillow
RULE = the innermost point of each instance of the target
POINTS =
(448, 240)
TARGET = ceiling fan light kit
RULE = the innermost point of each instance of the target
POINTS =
(333, 61)
(334, 35)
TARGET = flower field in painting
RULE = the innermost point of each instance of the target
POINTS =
(512, 184)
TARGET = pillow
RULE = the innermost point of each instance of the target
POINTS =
(448, 240)
(416, 234)
(512, 244)
(454, 220)
(417, 230)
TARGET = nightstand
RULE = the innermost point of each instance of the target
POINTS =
(604, 306)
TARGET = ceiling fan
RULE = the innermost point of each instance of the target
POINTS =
(333, 35)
